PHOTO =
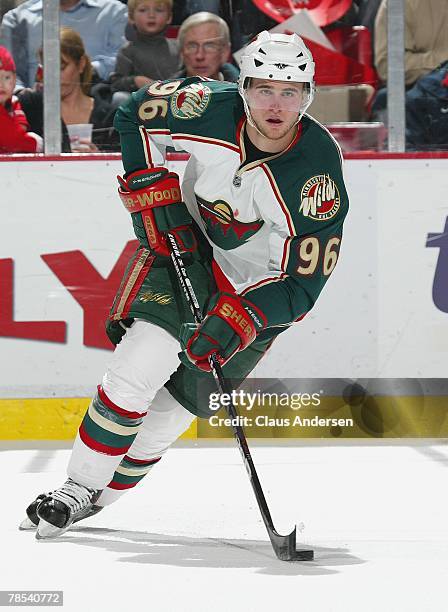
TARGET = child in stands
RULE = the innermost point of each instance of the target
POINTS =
(14, 137)
(151, 56)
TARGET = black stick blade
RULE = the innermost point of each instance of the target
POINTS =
(285, 547)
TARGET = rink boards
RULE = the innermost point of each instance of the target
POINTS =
(65, 240)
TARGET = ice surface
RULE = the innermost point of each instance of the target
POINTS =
(190, 539)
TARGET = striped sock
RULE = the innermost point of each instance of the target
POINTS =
(107, 428)
(130, 472)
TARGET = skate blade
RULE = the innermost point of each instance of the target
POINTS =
(47, 531)
(27, 525)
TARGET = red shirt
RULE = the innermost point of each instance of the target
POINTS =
(14, 137)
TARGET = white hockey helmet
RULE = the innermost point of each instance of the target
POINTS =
(280, 57)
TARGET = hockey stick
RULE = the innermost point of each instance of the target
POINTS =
(284, 546)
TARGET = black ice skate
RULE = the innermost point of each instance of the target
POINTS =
(32, 520)
(64, 506)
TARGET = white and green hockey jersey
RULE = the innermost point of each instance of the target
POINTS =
(274, 225)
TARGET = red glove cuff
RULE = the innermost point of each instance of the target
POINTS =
(164, 190)
(147, 192)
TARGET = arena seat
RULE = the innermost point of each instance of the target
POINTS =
(355, 41)
(350, 64)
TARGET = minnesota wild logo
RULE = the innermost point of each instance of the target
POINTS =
(190, 102)
(320, 199)
(222, 227)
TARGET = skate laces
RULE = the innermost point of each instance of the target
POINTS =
(77, 497)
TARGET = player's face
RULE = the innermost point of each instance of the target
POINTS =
(151, 16)
(274, 106)
(7, 84)
(204, 50)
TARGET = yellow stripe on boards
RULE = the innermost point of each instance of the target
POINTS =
(41, 419)
(53, 418)
(379, 417)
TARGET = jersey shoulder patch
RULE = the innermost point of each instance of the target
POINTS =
(190, 102)
(207, 109)
(320, 198)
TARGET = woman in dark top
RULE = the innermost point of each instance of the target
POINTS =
(77, 106)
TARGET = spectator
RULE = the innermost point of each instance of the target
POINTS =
(426, 44)
(14, 137)
(204, 40)
(426, 39)
(427, 111)
(77, 107)
(151, 56)
(100, 23)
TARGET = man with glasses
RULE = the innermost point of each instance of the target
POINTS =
(204, 41)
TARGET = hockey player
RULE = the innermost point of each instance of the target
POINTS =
(260, 232)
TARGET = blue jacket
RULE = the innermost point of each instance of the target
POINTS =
(100, 23)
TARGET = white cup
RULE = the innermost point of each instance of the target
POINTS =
(78, 132)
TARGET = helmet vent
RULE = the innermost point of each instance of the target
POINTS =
(257, 63)
(260, 50)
